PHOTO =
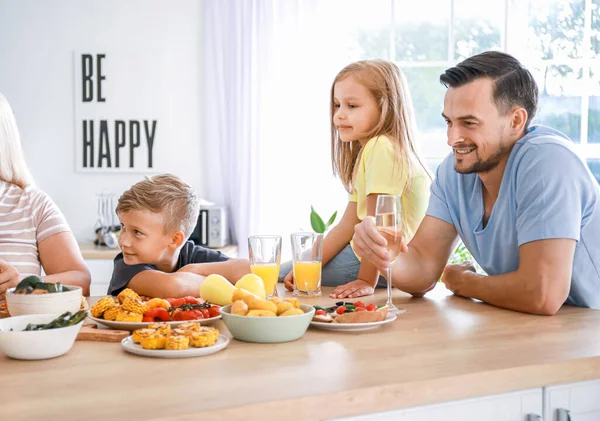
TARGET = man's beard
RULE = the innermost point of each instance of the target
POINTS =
(479, 165)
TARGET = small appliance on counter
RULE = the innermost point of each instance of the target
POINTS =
(212, 229)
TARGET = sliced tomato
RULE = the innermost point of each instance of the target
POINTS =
(320, 312)
(371, 307)
(360, 304)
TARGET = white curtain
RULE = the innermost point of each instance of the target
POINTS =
(267, 71)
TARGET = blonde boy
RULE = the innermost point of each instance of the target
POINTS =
(157, 217)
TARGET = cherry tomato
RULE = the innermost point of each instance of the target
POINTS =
(195, 315)
(360, 304)
(176, 302)
(205, 313)
(191, 300)
(180, 315)
(341, 310)
(371, 307)
(360, 309)
(320, 312)
(158, 314)
(214, 311)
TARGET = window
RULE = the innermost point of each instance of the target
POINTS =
(558, 40)
(562, 49)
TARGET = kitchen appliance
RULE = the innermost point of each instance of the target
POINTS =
(212, 229)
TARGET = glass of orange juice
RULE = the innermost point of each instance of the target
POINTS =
(265, 258)
(307, 250)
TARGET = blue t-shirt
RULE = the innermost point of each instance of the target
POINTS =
(547, 191)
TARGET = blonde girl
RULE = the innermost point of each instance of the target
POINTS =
(373, 152)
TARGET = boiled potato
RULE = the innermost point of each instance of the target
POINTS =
(242, 294)
(294, 301)
(239, 307)
(284, 306)
(292, 312)
(258, 304)
(261, 313)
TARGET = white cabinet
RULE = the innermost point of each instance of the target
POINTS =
(101, 270)
(505, 407)
(581, 400)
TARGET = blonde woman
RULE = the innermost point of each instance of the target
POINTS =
(33, 231)
(373, 151)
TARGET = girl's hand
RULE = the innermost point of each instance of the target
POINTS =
(288, 281)
(358, 288)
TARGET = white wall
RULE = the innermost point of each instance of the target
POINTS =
(37, 39)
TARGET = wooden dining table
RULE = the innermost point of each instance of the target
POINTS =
(443, 348)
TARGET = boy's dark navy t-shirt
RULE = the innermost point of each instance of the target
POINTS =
(189, 253)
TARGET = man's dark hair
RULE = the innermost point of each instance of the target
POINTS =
(514, 84)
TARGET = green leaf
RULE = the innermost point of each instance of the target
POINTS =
(316, 222)
(332, 219)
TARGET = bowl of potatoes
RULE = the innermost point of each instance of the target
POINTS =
(252, 319)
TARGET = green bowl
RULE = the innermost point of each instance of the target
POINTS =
(268, 329)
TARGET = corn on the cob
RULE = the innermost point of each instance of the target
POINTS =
(177, 342)
(127, 292)
(127, 316)
(154, 342)
(102, 305)
(134, 306)
(111, 313)
(161, 328)
(207, 336)
(140, 334)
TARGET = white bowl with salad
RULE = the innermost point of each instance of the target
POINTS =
(34, 296)
(48, 336)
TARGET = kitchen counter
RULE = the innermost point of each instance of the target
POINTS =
(443, 348)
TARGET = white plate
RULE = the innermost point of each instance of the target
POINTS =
(129, 346)
(141, 325)
(353, 327)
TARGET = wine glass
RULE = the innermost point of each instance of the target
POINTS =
(388, 219)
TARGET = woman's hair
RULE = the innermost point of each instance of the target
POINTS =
(13, 168)
(387, 84)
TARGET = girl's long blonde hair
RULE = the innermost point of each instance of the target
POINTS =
(386, 82)
(13, 168)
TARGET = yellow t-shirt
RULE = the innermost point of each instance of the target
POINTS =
(379, 173)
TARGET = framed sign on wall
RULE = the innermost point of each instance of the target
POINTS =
(122, 111)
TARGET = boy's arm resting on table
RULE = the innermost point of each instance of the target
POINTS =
(155, 283)
(232, 269)
(540, 285)
(187, 280)
(62, 261)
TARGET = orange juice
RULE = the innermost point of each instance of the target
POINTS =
(307, 276)
(269, 273)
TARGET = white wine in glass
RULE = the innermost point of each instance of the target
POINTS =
(388, 219)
